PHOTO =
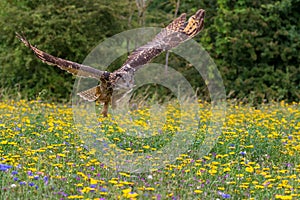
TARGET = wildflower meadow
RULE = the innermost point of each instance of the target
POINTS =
(257, 156)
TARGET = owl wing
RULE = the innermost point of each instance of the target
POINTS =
(69, 66)
(171, 36)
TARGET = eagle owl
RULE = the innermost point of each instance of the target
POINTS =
(171, 36)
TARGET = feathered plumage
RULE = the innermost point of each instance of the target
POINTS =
(171, 36)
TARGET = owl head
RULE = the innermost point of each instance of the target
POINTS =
(124, 78)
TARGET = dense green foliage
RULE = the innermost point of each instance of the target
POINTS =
(255, 44)
(257, 48)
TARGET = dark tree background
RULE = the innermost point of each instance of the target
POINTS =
(255, 44)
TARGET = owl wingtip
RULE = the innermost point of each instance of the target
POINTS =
(23, 39)
(200, 14)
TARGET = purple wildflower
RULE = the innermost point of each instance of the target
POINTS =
(31, 184)
(4, 167)
(62, 193)
(158, 197)
(22, 183)
(14, 172)
(288, 165)
(226, 196)
(46, 179)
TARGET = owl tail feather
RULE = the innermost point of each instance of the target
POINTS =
(91, 94)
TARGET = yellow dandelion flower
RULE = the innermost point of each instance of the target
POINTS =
(125, 191)
(249, 169)
(61, 155)
(4, 142)
(198, 191)
(219, 156)
(206, 158)
(170, 195)
(93, 181)
(150, 189)
(283, 197)
(113, 181)
(259, 187)
(240, 175)
(212, 171)
(124, 174)
(244, 186)
(126, 183)
(227, 169)
(75, 197)
(131, 195)
(87, 189)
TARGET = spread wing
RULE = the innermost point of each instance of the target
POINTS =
(174, 34)
(69, 66)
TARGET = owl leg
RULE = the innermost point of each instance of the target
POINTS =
(105, 109)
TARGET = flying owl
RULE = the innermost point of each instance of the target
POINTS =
(171, 36)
